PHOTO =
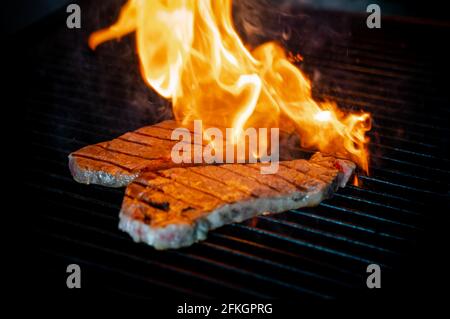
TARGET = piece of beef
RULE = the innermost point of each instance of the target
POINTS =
(177, 207)
(117, 162)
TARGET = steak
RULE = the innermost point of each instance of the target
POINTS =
(117, 162)
(177, 207)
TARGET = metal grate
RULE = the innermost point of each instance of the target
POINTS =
(74, 97)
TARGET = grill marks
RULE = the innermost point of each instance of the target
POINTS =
(176, 207)
(157, 207)
(92, 161)
(146, 149)
(117, 162)
(202, 183)
(275, 182)
(231, 178)
(191, 196)
(139, 150)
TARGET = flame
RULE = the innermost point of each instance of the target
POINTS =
(191, 54)
(356, 181)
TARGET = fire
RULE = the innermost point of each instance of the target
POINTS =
(191, 54)
(356, 181)
(323, 116)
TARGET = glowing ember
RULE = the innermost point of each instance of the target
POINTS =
(190, 53)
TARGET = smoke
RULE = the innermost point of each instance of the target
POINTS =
(295, 24)
(340, 5)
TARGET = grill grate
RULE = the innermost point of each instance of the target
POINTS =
(74, 97)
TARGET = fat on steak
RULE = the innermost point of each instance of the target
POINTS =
(177, 207)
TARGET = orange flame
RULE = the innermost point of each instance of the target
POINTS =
(190, 53)
(356, 181)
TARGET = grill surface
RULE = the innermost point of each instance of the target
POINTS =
(74, 97)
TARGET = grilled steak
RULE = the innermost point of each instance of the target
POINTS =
(176, 207)
(117, 162)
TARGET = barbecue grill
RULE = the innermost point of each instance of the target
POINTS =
(74, 97)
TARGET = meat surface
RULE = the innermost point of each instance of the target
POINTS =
(117, 162)
(177, 207)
